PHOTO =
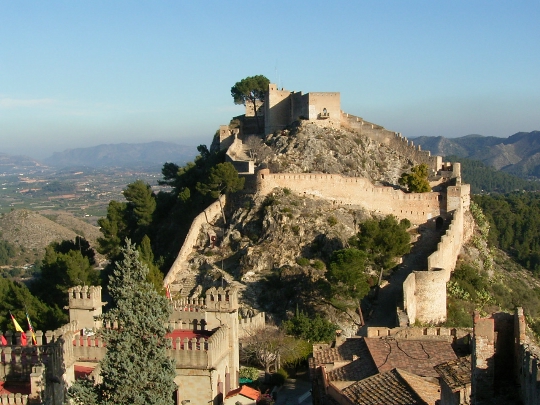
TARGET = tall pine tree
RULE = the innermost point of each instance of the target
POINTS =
(136, 369)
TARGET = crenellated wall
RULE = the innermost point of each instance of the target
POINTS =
(247, 326)
(424, 292)
(391, 139)
(417, 207)
(208, 215)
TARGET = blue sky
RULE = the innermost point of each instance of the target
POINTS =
(82, 73)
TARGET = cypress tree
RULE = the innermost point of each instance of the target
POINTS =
(136, 368)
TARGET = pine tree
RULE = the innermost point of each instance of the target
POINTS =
(136, 369)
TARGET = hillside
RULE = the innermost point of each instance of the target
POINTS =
(518, 154)
(32, 232)
(10, 164)
(309, 148)
(123, 154)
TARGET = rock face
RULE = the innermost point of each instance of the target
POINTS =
(308, 148)
(275, 247)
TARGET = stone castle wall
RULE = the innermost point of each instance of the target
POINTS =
(391, 139)
(208, 215)
(424, 292)
(358, 191)
(282, 107)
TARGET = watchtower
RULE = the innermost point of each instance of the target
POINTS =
(84, 305)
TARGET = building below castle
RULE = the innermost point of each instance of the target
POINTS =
(204, 345)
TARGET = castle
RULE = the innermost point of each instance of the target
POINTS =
(204, 344)
(424, 291)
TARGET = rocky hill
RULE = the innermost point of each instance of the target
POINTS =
(518, 154)
(123, 154)
(32, 232)
(310, 148)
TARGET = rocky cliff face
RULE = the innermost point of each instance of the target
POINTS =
(308, 148)
(275, 248)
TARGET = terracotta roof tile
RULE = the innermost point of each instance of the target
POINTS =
(245, 391)
(415, 356)
(456, 373)
(345, 352)
(388, 388)
(360, 368)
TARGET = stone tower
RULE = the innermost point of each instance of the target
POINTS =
(84, 305)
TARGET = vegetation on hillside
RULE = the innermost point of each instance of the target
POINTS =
(486, 179)
(417, 180)
(514, 225)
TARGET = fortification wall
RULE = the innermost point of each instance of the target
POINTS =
(424, 292)
(277, 109)
(448, 248)
(247, 326)
(421, 333)
(409, 297)
(208, 215)
(324, 109)
(418, 208)
(527, 367)
(392, 139)
(430, 294)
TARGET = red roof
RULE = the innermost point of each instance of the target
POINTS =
(82, 371)
(14, 388)
(245, 391)
(190, 334)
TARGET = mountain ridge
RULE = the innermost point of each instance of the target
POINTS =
(519, 154)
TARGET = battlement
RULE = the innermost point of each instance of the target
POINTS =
(85, 305)
(222, 299)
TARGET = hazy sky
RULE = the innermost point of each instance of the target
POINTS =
(82, 73)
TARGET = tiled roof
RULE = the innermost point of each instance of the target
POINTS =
(245, 391)
(388, 388)
(415, 356)
(360, 368)
(456, 373)
(82, 371)
(429, 391)
(345, 352)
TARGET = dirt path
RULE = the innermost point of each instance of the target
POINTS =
(391, 295)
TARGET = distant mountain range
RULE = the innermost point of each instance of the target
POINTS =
(123, 155)
(518, 154)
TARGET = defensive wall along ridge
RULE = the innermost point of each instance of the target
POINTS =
(357, 191)
(424, 291)
(209, 215)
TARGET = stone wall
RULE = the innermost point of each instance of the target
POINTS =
(250, 324)
(424, 292)
(394, 140)
(357, 191)
(282, 107)
(208, 215)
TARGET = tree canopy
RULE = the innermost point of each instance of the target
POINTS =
(250, 90)
(346, 274)
(383, 240)
(136, 369)
(417, 180)
(65, 265)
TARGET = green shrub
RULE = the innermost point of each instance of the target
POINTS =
(302, 261)
(318, 264)
(249, 372)
(287, 191)
(279, 377)
(332, 221)
(295, 229)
